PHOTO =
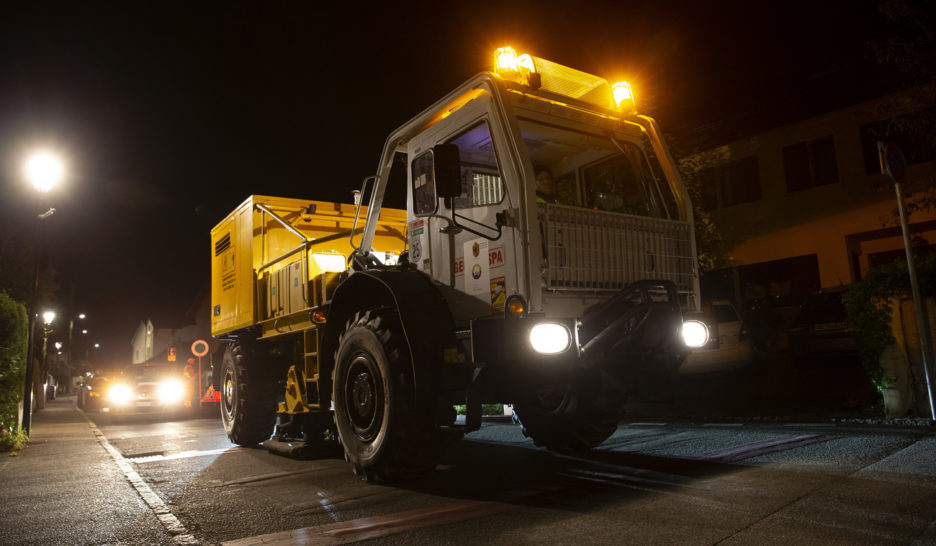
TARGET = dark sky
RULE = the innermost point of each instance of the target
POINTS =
(170, 114)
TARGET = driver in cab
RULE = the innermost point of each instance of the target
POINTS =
(545, 188)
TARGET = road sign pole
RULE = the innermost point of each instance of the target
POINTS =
(892, 163)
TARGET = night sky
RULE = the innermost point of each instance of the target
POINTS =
(170, 115)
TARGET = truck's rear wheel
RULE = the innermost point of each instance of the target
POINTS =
(248, 399)
(574, 419)
(381, 436)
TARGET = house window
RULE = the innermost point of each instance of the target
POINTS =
(810, 164)
(740, 182)
(910, 131)
(730, 184)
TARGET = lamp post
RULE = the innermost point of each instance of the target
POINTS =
(69, 352)
(43, 170)
(47, 318)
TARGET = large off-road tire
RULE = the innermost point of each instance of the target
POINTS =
(573, 419)
(381, 435)
(248, 397)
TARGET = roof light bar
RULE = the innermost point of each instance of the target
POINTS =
(535, 72)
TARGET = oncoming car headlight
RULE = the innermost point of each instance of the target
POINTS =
(695, 333)
(119, 394)
(550, 338)
(170, 391)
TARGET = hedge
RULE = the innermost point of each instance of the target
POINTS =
(13, 326)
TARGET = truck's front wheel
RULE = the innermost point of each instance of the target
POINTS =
(381, 436)
(577, 418)
(248, 400)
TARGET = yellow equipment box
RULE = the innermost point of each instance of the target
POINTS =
(273, 257)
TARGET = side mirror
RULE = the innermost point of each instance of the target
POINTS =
(447, 166)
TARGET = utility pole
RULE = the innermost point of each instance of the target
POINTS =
(894, 165)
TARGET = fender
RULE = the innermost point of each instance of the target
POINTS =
(428, 326)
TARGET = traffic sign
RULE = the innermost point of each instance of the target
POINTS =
(200, 348)
(894, 163)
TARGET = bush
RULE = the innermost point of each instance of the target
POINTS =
(13, 325)
(486, 409)
(11, 440)
(867, 303)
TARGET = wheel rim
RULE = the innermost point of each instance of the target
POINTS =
(227, 395)
(364, 397)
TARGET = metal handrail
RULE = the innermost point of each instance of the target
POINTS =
(357, 211)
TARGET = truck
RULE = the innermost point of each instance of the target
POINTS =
(362, 326)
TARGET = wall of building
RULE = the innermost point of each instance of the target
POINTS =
(841, 222)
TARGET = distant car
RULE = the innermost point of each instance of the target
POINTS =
(147, 389)
(821, 330)
(731, 349)
(94, 392)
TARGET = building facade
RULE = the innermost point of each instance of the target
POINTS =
(805, 207)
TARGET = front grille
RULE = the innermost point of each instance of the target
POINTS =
(597, 250)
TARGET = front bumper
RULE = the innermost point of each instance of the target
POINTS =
(643, 318)
(143, 407)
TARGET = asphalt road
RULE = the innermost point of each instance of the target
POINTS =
(660, 481)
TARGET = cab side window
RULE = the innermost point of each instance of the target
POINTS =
(425, 201)
(481, 180)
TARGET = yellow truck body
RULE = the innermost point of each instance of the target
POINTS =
(262, 270)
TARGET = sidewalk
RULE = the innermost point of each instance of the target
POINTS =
(64, 488)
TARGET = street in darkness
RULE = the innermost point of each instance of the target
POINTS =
(663, 481)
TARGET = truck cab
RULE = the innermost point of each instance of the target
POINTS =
(561, 298)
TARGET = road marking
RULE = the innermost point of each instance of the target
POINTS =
(173, 526)
(143, 458)
(273, 476)
(810, 425)
(379, 526)
(722, 425)
(755, 449)
(329, 507)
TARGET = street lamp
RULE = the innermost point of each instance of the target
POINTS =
(48, 317)
(43, 170)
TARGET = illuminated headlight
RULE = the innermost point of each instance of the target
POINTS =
(695, 333)
(550, 338)
(170, 391)
(119, 394)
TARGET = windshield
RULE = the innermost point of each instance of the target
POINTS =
(599, 172)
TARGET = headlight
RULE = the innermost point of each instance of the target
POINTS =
(170, 391)
(550, 338)
(695, 333)
(119, 394)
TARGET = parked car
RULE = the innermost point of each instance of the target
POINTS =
(731, 346)
(156, 388)
(821, 330)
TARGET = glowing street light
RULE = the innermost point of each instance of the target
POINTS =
(48, 317)
(44, 170)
